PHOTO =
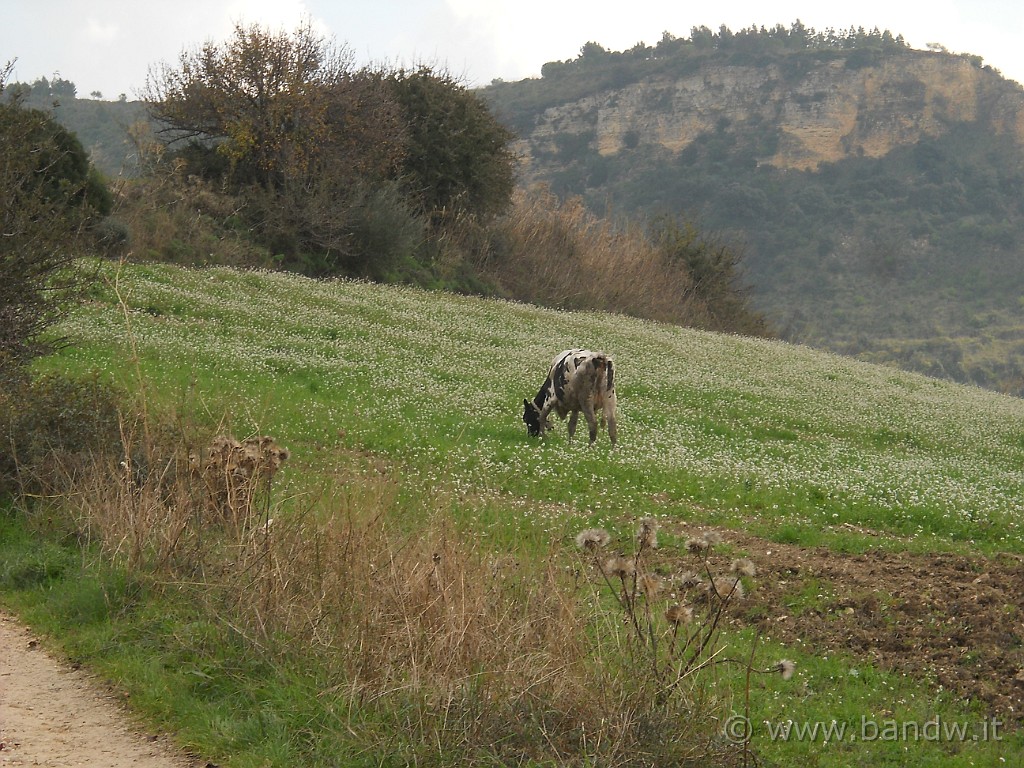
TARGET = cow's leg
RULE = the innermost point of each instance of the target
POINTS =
(544, 423)
(611, 427)
(572, 423)
(588, 411)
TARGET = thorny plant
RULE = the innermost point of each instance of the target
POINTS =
(675, 623)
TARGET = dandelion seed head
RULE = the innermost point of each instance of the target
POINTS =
(679, 614)
(743, 567)
(592, 538)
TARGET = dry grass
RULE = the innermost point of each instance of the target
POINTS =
(557, 253)
(486, 658)
(177, 218)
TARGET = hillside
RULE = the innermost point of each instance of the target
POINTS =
(104, 127)
(876, 190)
(882, 510)
(760, 432)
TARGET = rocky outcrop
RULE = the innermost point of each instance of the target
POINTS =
(827, 111)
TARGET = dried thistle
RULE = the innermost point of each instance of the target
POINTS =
(621, 567)
(690, 579)
(786, 668)
(743, 567)
(592, 538)
(649, 585)
(647, 534)
(697, 546)
(679, 614)
(713, 538)
(726, 587)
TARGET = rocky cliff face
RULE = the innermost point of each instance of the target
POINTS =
(826, 112)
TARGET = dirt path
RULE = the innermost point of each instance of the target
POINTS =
(55, 716)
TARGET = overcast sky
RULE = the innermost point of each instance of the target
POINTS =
(109, 45)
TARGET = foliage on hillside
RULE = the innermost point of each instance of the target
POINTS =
(400, 176)
(103, 127)
(51, 201)
(912, 258)
(332, 169)
(924, 243)
(597, 69)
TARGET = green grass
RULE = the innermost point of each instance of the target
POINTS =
(760, 432)
(768, 438)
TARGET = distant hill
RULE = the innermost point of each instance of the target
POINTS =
(101, 126)
(878, 191)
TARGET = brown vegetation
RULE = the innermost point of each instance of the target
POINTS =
(484, 657)
(558, 254)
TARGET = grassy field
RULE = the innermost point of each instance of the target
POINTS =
(780, 448)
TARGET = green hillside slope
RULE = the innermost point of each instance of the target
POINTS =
(412, 588)
(753, 433)
(875, 189)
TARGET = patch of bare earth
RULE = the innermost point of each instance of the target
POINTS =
(954, 620)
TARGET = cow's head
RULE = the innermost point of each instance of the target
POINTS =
(532, 418)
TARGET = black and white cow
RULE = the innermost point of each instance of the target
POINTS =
(579, 380)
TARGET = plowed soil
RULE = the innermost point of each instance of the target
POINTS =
(955, 621)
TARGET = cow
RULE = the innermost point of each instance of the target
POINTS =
(579, 380)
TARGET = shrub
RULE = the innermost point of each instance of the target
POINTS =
(113, 237)
(49, 196)
(385, 233)
(52, 427)
(558, 254)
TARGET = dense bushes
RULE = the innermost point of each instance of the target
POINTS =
(401, 176)
(51, 428)
(50, 198)
(336, 170)
(541, 250)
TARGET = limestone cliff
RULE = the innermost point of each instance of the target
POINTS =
(824, 112)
